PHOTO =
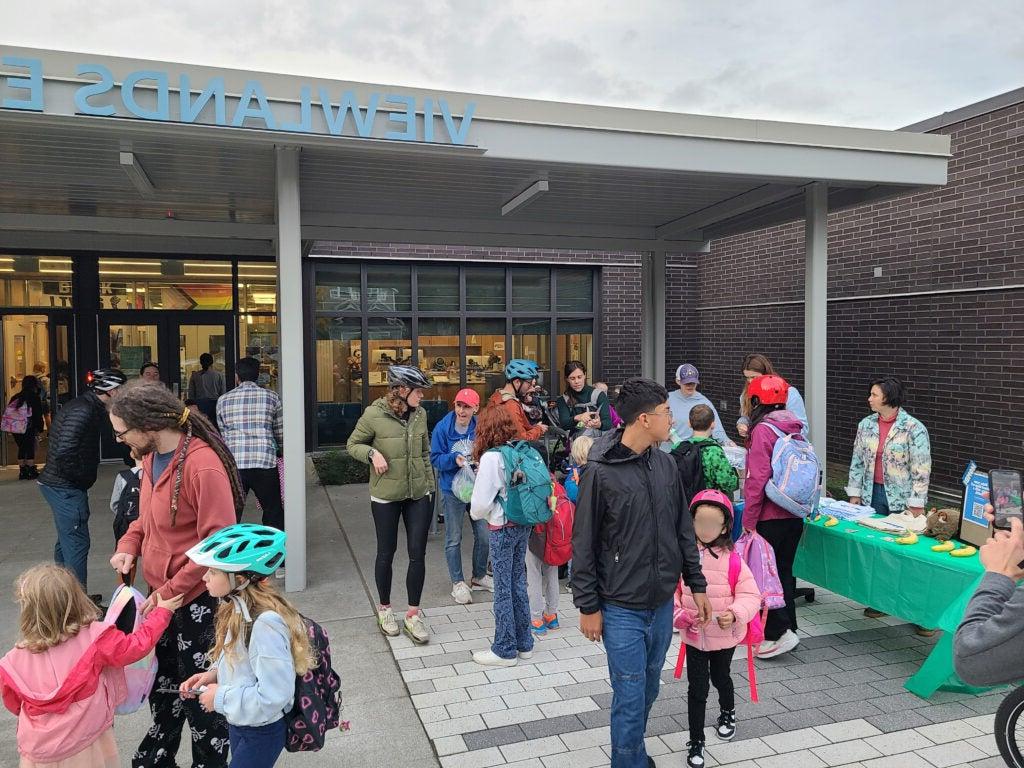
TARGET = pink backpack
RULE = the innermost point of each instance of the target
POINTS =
(759, 556)
(125, 613)
(15, 418)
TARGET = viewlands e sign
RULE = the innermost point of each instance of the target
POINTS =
(150, 95)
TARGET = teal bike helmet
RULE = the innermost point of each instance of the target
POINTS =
(521, 369)
(241, 548)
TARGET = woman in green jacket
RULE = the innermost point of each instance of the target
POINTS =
(582, 409)
(391, 436)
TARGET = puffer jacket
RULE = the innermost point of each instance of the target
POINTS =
(906, 462)
(632, 535)
(745, 603)
(405, 445)
(73, 453)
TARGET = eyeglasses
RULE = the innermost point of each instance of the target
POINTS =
(122, 433)
(658, 413)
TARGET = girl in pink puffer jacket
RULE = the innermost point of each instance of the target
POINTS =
(710, 648)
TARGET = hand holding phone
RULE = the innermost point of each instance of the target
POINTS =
(1005, 494)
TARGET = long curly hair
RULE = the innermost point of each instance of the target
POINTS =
(54, 607)
(151, 407)
(494, 427)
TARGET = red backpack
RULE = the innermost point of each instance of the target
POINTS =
(558, 530)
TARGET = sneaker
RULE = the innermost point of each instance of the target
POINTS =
(461, 593)
(484, 582)
(726, 724)
(490, 659)
(695, 754)
(539, 627)
(551, 621)
(490, 568)
(772, 648)
(525, 655)
(387, 622)
(416, 628)
(871, 613)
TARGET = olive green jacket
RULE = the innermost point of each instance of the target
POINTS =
(405, 446)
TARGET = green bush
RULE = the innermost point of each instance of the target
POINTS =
(338, 468)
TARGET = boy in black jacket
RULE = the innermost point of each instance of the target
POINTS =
(632, 539)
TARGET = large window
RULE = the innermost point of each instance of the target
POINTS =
(173, 284)
(35, 281)
(460, 323)
(257, 319)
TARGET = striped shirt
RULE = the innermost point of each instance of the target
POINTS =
(251, 421)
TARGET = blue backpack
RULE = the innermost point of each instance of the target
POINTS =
(795, 484)
(528, 484)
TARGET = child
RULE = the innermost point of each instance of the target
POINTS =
(512, 637)
(616, 419)
(718, 472)
(578, 456)
(541, 585)
(66, 674)
(710, 648)
(450, 446)
(260, 642)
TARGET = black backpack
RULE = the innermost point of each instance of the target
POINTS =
(689, 460)
(126, 510)
(317, 707)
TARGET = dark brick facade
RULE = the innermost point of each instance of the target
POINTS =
(682, 323)
(961, 353)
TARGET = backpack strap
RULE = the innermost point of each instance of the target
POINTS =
(681, 660)
(734, 570)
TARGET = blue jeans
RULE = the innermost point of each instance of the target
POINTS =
(256, 747)
(636, 643)
(71, 519)
(879, 501)
(511, 601)
(454, 512)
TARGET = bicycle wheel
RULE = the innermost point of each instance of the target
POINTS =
(1009, 730)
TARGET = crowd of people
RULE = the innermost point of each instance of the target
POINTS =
(648, 483)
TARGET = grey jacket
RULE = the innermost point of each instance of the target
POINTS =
(989, 645)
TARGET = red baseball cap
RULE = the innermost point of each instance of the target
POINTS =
(468, 396)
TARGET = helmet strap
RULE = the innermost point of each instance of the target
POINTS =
(239, 603)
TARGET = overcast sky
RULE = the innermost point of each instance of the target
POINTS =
(871, 63)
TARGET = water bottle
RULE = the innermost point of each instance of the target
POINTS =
(674, 438)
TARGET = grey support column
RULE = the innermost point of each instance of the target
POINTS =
(292, 365)
(652, 346)
(816, 313)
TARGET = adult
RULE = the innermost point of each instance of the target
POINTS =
(582, 408)
(207, 384)
(758, 365)
(769, 419)
(251, 421)
(632, 538)
(682, 401)
(39, 371)
(31, 395)
(189, 490)
(72, 460)
(520, 382)
(892, 461)
(391, 436)
(150, 372)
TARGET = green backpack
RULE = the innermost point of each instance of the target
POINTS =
(528, 484)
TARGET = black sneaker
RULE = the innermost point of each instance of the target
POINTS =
(440, 519)
(727, 724)
(695, 754)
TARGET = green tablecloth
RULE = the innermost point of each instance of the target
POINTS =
(905, 580)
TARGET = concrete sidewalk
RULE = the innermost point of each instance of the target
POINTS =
(385, 726)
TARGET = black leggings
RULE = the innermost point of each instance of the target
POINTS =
(784, 536)
(702, 667)
(416, 515)
(26, 445)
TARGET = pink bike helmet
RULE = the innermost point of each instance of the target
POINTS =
(715, 498)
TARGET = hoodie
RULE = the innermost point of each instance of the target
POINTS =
(65, 697)
(442, 455)
(758, 506)
(524, 431)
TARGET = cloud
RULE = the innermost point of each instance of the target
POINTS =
(869, 63)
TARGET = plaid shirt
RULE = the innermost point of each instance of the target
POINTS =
(251, 421)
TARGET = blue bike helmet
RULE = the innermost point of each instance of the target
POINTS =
(521, 369)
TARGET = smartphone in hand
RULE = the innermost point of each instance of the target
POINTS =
(1005, 493)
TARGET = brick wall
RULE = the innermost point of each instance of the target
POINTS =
(961, 354)
(682, 327)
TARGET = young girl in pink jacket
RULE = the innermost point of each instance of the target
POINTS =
(66, 674)
(709, 648)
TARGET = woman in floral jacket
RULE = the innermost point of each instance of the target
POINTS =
(894, 478)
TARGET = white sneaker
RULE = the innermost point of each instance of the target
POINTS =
(484, 582)
(387, 622)
(526, 655)
(462, 593)
(772, 648)
(490, 659)
(416, 628)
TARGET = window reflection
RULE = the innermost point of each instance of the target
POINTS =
(575, 341)
(173, 284)
(485, 354)
(257, 337)
(530, 341)
(439, 356)
(339, 378)
(389, 342)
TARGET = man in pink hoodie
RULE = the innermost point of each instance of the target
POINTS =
(768, 418)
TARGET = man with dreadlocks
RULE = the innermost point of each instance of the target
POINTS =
(190, 489)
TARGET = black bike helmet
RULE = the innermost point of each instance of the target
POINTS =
(105, 379)
(407, 376)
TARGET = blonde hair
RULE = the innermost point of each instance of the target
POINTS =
(54, 607)
(260, 597)
(581, 449)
